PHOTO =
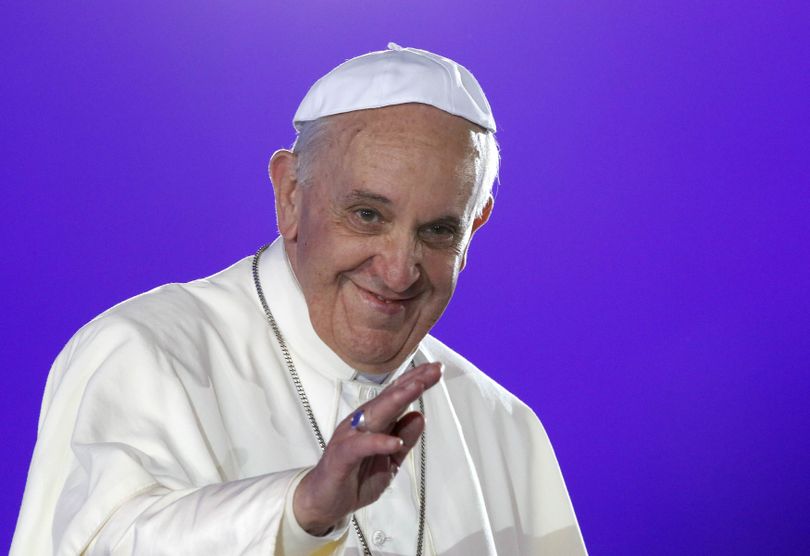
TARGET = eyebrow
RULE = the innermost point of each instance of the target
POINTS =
(363, 195)
(448, 220)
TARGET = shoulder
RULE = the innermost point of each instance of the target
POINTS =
(172, 322)
(176, 306)
(469, 387)
(178, 318)
(492, 419)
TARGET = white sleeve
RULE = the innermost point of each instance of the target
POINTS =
(123, 464)
(239, 517)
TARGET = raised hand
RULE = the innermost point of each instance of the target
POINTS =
(358, 465)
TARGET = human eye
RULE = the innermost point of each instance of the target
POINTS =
(440, 235)
(367, 215)
(365, 219)
(441, 230)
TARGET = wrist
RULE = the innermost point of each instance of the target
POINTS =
(308, 513)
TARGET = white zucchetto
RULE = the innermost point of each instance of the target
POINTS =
(397, 76)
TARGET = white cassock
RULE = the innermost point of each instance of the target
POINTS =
(170, 425)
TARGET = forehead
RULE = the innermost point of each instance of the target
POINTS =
(411, 147)
(418, 125)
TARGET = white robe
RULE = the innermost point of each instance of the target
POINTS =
(169, 425)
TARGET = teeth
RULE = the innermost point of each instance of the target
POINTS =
(383, 299)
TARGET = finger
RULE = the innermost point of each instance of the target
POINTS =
(409, 428)
(348, 454)
(382, 412)
(418, 372)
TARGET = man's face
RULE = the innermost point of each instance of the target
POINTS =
(379, 233)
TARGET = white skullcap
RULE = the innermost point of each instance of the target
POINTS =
(397, 76)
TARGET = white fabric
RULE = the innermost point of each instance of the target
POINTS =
(397, 76)
(169, 426)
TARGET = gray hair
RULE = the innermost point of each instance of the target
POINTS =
(312, 134)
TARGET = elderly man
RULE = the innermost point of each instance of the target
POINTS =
(294, 403)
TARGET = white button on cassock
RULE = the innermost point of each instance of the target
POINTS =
(379, 538)
(367, 393)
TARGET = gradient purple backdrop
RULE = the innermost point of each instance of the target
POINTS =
(644, 283)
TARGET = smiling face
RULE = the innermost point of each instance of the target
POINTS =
(378, 233)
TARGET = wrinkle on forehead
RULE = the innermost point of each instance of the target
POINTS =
(405, 129)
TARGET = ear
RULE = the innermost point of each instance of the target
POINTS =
(477, 223)
(282, 171)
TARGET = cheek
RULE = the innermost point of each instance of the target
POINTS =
(330, 254)
(311, 227)
(442, 270)
(317, 242)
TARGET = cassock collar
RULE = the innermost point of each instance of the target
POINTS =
(286, 300)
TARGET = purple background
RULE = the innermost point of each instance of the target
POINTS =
(644, 283)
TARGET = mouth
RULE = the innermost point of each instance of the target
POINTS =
(387, 305)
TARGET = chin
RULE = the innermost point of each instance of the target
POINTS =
(374, 355)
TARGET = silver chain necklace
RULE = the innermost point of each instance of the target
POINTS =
(302, 396)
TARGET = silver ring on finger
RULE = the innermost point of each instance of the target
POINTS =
(359, 420)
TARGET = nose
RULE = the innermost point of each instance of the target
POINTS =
(399, 263)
